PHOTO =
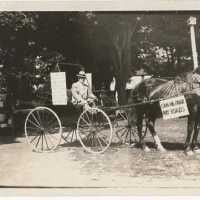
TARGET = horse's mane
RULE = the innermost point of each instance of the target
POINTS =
(159, 88)
(183, 84)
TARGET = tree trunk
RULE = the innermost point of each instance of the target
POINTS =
(122, 61)
(120, 88)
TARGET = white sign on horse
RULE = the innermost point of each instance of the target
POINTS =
(58, 88)
(174, 107)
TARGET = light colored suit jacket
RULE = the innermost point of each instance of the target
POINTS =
(81, 92)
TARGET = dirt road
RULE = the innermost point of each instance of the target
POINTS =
(120, 168)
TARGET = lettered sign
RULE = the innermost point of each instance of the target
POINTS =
(174, 107)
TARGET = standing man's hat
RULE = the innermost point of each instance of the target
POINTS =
(81, 74)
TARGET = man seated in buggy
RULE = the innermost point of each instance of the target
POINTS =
(82, 95)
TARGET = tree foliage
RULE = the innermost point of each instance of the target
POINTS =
(107, 43)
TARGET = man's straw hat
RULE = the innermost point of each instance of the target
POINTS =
(81, 74)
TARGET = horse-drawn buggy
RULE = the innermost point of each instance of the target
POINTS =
(95, 126)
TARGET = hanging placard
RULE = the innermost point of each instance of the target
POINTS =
(58, 88)
(174, 107)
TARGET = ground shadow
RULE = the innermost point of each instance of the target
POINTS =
(171, 146)
(167, 145)
(7, 140)
(77, 143)
(71, 144)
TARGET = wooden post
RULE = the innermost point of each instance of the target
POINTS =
(192, 22)
(89, 79)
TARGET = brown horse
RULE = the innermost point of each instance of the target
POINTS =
(150, 91)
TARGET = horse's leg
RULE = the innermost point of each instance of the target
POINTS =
(139, 128)
(195, 145)
(190, 128)
(135, 118)
(151, 125)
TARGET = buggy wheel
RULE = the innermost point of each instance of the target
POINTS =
(94, 130)
(125, 133)
(43, 129)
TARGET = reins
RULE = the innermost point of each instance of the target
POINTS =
(113, 108)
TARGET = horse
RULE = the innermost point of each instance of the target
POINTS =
(146, 98)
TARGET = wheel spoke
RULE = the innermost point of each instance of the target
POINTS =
(84, 128)
(38, 141)
(65, 138)
(88, 137)
(46, 141)
(42, 141)
(75, 134)
(92, 118)
(118, 133)
(126, 135)
(38, 123)
(122, 132)
(72, 136)
(85, 133)
(88, 117)
(85, 121)
(34, 124)
(123, 117)
(119, 130)
(100, 142)
(39, 117)
(103, 140)
(51, 123)
(34, 138)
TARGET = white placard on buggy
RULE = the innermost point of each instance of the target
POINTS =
(174, 107)
(58, 88)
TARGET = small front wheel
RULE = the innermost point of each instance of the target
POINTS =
(94, 130)
(43, 129)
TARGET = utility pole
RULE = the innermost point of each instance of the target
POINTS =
(192, 22)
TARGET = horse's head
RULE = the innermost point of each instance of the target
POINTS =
(145, 89)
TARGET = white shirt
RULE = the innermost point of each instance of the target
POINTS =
(79, 92)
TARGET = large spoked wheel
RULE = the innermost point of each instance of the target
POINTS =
(94, 130)
(125, 132)
(43, 129)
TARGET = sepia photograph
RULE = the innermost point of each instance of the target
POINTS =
(99, 102)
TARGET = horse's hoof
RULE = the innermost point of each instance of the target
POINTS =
(161, 149)
(146, 149)
(132, 145)
(189, 153)
(196, 150)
